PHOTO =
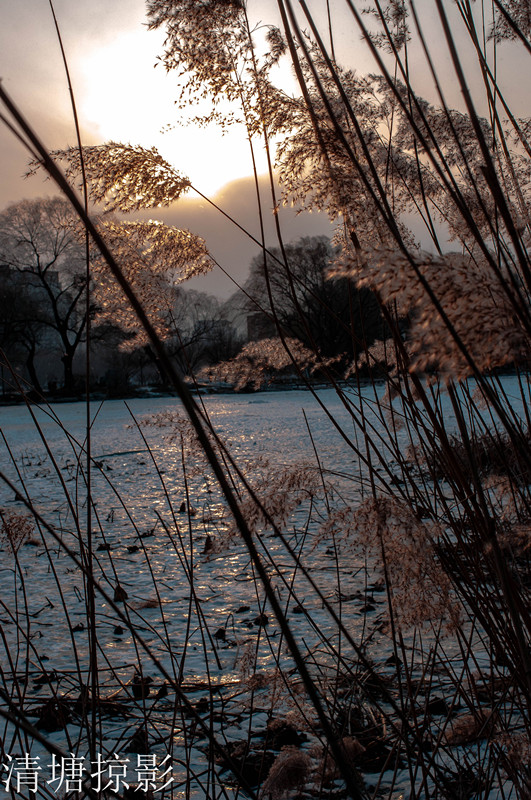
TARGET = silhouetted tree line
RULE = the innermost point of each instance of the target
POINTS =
(44, 310)
(289, 292)
(44, 313)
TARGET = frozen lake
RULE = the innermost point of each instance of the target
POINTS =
(184, 581)
(199, 612)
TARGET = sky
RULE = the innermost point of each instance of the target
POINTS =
(119, 92)
(122, 96)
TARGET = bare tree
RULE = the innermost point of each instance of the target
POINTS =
(201, 330)
(40, 243)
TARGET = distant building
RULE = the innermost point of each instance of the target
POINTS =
(25, 335)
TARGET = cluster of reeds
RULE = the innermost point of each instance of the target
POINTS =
(419, 683)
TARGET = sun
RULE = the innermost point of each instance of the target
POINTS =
(124, 98)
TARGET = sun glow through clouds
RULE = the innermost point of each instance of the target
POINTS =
(124, 98)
